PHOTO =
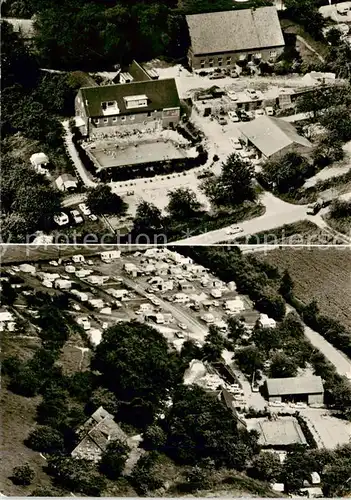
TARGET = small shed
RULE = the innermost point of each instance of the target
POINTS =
(39, 160)
(66, 182)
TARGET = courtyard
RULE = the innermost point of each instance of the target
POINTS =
(136, 148)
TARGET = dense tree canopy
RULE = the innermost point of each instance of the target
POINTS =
(198, 426)
(234, 185)
(183, 204)
(101, 200)
(136, 365)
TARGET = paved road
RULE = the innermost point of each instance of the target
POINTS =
(341, 362)
(75, 158)
(196, 330)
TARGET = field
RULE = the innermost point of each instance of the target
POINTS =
(323, 274)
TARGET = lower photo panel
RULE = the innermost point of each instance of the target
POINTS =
(175, 371)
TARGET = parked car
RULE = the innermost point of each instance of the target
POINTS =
(269, 110)
(83, 207)
(233, 116)
(301, 404)
(182, 326)
(259, 112)
(236, 143)
(252, 93)
(243, 115)
(92, 217)
(217, 76)
(179, 335)
(232, 95)
(234, 73)
(53, 263)
(155, 301)
(222, 120)
(61, 219)
(251, 114)
(234, 230)
(276, 404)
(78, 219)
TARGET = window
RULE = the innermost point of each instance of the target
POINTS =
(96, 120)
(149, 113)
(114, 119)
(273, 53)
(220, 61)
(105, 120)
(136, 101)
(229, 61)
(211, 63)
(202, 63)
(123, 118)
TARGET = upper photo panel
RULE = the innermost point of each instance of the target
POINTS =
(176, 122)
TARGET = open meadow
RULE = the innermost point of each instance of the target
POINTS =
(322, 273)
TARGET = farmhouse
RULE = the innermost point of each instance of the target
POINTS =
(220, 39)
(273, 137)
(306, 389)
(133, 105)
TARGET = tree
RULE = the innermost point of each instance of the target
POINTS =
(267, 467)
(286, 285)
(148, 219)
(143, 476)
(236, 329)
(286, 174)
(8, 294)
(266, 339)
(333, 36)
(102, 201)
(46, 440)
(306, 13)
(183, 204)
(282, 366)
(190, 351)
(249, 359)
(103, 397)
(214, 344)
(135, 364)
(338, 120)
(23, 475)
(310, 313)
(154, 438)
(271, 304)
(76, 475)
(114, 459)
(234, 185)
(200, 427)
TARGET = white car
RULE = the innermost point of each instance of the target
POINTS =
(155, 301)
(252, 93)
(53, 263)
(276, 404)
(83, 207)
(301, 404)
(61, 219)
(93, 217)
(182, 326)
(234, 230)
(236, 143)
(179, 335)
(233, 116)
(232, 95)
(259, 112)
(269, 111)
(78, 219)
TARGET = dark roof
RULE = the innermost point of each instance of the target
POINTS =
(235, 30)
(161, 94)
(138, 72)
(294, 385)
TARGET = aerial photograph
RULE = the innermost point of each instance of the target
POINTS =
(176, 121)
(176, 371)
(175, 248)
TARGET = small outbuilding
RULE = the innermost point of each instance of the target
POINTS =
(66, 182)
(306, 389)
